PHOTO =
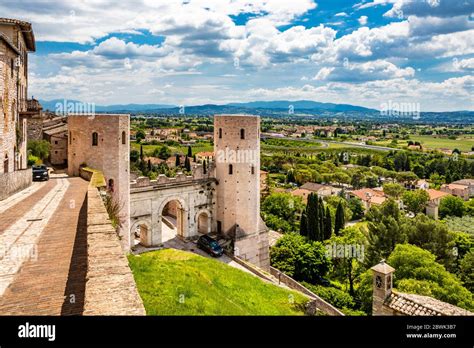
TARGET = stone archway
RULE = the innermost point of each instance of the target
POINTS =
(173, 219)
(203, 221)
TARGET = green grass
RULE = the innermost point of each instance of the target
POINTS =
(464, 143)
(174, 282)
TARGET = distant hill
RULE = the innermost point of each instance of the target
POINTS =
(300, 104)
(51, 105)
(278, 104)
(277, 108)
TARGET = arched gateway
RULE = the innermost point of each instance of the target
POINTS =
(167, 208)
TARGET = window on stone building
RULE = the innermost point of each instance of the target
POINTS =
(12, 66)
(231, 169)
(95, 139)
(124, 139)
(5, 164)
(242, 134)
(220, 133)
(70, 138)
(253, 169)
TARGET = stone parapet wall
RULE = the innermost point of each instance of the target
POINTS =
(316, 303)
(14, 181)
(110, 286)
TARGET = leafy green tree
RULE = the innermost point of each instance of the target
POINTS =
(433, 236)
(393, 190)
(356, 207)
(300, 258)
(348, 267)
(283, 206)
(134, 156)
(340, 219)
(140, 135)
(162, 152)
(386, 230)
(451, 206)
(39, 148)
(416, 271)
(415, 201)
(467, 270)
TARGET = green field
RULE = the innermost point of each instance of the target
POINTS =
(174, 282)
(463, 143)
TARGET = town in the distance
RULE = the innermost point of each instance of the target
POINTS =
(289, 207)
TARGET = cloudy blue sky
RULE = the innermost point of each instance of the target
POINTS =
(363, 52)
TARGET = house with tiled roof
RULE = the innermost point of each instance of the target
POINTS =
(433, 203)
(458, 190)
(386, 301)
(369, 197)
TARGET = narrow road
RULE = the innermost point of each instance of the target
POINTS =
(44, 249)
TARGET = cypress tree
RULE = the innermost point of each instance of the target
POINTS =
(321, 218)
(149, 165)
(312, 216)
(178, 162)
(339, 223)
(303, 225)
(187, 164)
(190, 152)
(204, 167)
(141, 153)
(327, 224)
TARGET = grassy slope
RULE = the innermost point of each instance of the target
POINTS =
(208, 287)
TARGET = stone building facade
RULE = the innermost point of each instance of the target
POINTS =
(16, 40)
(102, 142)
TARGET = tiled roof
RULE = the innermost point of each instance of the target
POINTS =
(26, 30)
(411, 304)
(434, 194)
(366, 193)
(205, 154)
(312, 186)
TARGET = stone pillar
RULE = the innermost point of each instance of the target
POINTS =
(382, 286)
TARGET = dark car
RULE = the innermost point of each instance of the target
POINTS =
(40, 173)
(210, 246)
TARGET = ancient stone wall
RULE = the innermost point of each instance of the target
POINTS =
(14, 181)
(316, 303)
(110, 286)
(102, 143)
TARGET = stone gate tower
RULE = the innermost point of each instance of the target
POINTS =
(101, 142)
(237, 165)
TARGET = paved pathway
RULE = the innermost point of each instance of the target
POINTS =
(40, 234)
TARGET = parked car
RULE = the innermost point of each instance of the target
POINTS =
(40, 173)
(210, 246)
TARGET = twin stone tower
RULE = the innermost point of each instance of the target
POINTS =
(102, 141)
